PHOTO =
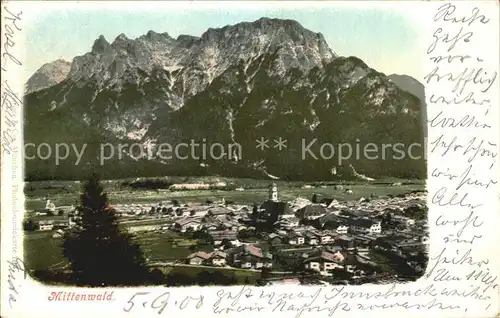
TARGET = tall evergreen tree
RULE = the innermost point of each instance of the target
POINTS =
(314, 198)
(98, 252)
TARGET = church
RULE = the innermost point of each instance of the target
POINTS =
(273, 209)
(273, 192)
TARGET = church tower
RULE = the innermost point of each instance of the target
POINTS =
(273, 192)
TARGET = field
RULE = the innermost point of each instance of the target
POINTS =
(67, 192)
(43, 252)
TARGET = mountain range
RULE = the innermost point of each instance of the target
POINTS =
(48, 75)
(269, 78)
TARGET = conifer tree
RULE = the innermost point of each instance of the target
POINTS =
(314, 198)
(99, 253)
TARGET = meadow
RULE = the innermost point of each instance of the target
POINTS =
(42, 251)
(254, 191)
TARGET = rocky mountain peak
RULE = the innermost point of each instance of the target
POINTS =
(100, 45)
(265, 22)
(186, 41)
(122, 42)
(202, 58)
(295, 46)
(270, 32)
(48, 75)
(157, 37)
(121, 37)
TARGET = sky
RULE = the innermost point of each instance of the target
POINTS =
(386, 38)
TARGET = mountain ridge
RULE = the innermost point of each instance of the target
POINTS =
(47, 75)
(415, 87)
(230, 84)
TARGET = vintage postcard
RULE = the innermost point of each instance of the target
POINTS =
(227, 159)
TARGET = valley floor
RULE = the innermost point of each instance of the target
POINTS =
(168, 249)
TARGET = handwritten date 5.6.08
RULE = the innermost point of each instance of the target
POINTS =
(162, 301)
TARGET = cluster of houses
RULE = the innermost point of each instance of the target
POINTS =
(211, 219)
(408, 246)
(54, 225)
(52, 209)
(324, 235)
(328, 235)
(216, 258)
(245, 256)
(320, 251)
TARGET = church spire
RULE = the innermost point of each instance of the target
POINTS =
(273, 192)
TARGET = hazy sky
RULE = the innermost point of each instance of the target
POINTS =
(386, 39)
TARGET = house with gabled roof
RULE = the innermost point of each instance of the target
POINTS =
(198, 211)
(345, 241)
(219, 211)
(324, 262)
(187, 224)
(296, 238)
(197, 258)
(219, 236)
(275, 239)
(325, 237)
(215, 258)
(250, 256)
(289, 221)
(311, 212)
(312, 238)
(218, 258)
(299, 203)
(334, 222)
(364, 225)
(46, 225)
